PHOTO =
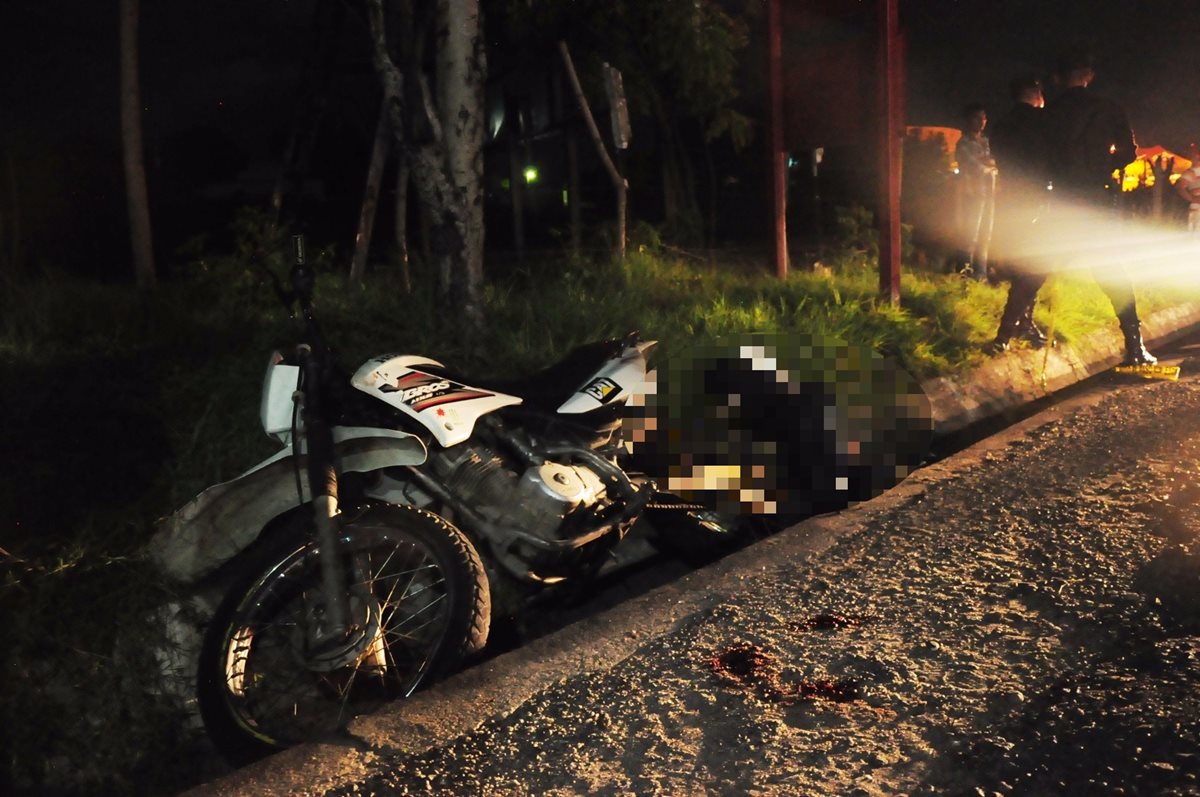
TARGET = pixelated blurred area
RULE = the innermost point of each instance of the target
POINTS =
(768, 424)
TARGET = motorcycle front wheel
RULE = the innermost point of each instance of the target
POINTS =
(418, 602)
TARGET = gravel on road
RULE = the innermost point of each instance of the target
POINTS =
(1026, 623)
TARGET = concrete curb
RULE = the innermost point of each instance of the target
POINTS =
(464, 702)
(1022, 376)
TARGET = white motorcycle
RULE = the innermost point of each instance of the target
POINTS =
(406, 506)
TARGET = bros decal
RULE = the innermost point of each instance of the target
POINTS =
(420, 390)
(414, 393)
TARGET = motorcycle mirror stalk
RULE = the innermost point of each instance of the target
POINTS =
(303, 277)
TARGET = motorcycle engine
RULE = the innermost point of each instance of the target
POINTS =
(537, 500)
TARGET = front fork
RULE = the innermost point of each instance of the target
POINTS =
(334, 623)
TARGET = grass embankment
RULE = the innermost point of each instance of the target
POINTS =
(119, 407)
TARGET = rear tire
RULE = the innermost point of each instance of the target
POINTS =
(420, 602)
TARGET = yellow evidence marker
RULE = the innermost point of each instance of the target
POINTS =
(1170, 372)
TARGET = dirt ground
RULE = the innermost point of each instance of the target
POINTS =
(1027, 624)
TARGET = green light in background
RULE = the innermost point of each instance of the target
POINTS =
(531, 174)
(565, 198)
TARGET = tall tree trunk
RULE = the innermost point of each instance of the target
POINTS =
(402, 220)
(370, 204)
(445, 154)
(461, 74)
(131, 136)
(619, 182)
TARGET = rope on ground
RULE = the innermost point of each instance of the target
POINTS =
(1049, 336)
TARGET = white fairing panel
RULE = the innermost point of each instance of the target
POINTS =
(447, 408)
(613, 383)
(279, 384)
(220, 522)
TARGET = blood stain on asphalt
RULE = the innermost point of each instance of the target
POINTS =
(746, 665)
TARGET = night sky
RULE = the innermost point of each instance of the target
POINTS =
(219, 80)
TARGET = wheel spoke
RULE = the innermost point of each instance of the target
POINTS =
(375, 578)
(410, 634)
(383, 566)
(388, 600)
(394, 576)
(274, 685)
(408, 619)
(344, 694)
(408, 596)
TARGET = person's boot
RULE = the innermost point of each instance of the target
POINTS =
(1031, 332)
(1135, 350)
(1009, 326)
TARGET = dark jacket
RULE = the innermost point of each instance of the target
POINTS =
(1089, 137)
(1020, 149)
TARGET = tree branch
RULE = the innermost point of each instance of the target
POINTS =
(617, 179)
(389, 73)
(619, 182)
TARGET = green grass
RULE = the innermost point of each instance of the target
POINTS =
(163, 389)
(124, 406)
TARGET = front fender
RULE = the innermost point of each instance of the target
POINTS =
(220, 522)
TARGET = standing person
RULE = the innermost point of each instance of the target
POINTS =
(1188, 187)
(978, 173)
(1019, 146)
(1089, 137)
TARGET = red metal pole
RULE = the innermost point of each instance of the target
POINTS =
(889, 147)
(778, 169)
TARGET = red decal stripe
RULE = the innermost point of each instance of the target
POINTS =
(412, 379)
(462, 395)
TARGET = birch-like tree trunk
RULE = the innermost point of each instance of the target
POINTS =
(443, 141)
(137, 198)
(461, 74)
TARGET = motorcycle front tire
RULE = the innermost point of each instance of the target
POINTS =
(259, 687)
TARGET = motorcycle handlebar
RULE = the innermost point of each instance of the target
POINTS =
(303, 281)
(303, 278)
(298, 249)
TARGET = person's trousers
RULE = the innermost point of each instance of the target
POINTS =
(1119, 289)
(1024, 287)
(1022, 292)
